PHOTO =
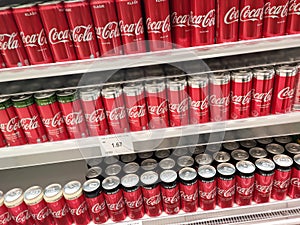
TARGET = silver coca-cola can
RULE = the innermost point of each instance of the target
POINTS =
(248, 144)
(257, 153)
(94, 162)
(162, 154)
(130, 168)
(230, 146)
(167, 164)
(113, 170)
(283, 140)
(292, 149)
(274, 149)
(149, 165)
(144, 155)
(263, 142)
(203, 159)
(111, 160)
(94, 173)
(221, 157)
(185, 161)
(239, 155)
(128, 158)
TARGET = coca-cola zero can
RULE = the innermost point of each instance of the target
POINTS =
(294, 189)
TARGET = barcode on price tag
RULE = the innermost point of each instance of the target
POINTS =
(116, 144)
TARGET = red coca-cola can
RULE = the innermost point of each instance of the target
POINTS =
(82, 29)
(284, 89)
(14, 201)
(33, 197)
(263, 81)
(227, 21)
(113, 100)
(251, 19)
(226, 185)
(57, 30)
(282, 176)
(30, 120)
(293, 21)
(264, 177)
(219, 97)
(70, 106)
(170, 192)
(202, 22)
(114, 198)
(51, 116)
(180, 19)
(241, 91)
(207, 187)
(133, 197)
(189, 193)
(73, 194)
(32, 33)
(94, 112)
(157, 102)
(151, 193)
(2, 64)
(158, 24)
(53, 196)
(134, 95)
(296, 106)
(131, 26)
(95, 201)
(11, 45)
(106, 27)
(294, 188)
(275, 17)
(5, 217)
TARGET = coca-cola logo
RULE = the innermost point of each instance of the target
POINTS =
(222, 101)
(189, 197)
(248, 14)
(82, 33)
(286, 93)
(180, 20)
(137, 111)
(12, 125)
(294, 8)
(181, 107)
(157, 27)
(133, 29)
(74, 118)
(208, 195)
(263, 188)
(5, 218)
(232, 16)
(60, 213)
(262, 97)
(29, 123)
(56, 37)
(245, 190)
(203, 21)
(171, 199)
(97, 208)
(276, 11)
(109, 31)
(56, 121)
(153, 200)
(241, 100)
(22, 217)
(134, 204)
(226, 193)
(8, 41)
(116, 206)
(160, 109)
(82, 208)
(117, 113)
(281, 184)
(295, 181)
(202, 105)
(42, 214)
(34, 40)
(96, 116)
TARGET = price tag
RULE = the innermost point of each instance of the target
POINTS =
(132, 223)
(116, 144)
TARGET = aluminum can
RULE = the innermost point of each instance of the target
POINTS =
(128, 158)
(2, 64)
(106, 26)
(53, 195)
(207, 187)
(162, 154)
(51, 116)
(10, 124)
(133, 197)
(113, 170)
(134, 95)
(94, 162)
(33, 197)
(199, 99)
(5, 217)
(95, 201)
(185, 161)
(179, 152)
(94, 172)
(131, 26)
(144, 155)
(194, 151)
(292, 149)
(239, 155)
(189, 192)
(293, 21)
(158, 23)
(296, 106)
(263, 142)
(149, 165)
(294, 188)
(202, 22)
(131, 168)
(219, 97)
(264, 177)
(275, 17)
(244, 182)
(283, 140)
(73, 194)
(11, 45)
(167, 164)
(248, 144)
(241, 91)
(257, 153)
(151, 193)
(274, 149)
(111, 160)
(221, 157)
(70, 106)
(180, 19)
(14, 201)
(225, 185)
(227, 21)
(203, 159)
(282, 176)
(94, 112)
(251, 19)
(30, 120)
(82, 29)
(156, 97)
(114, 198)
(32, 33)
(230, 146)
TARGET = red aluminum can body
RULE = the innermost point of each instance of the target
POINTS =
(152, 200)
(5, 217)
(134, 203)
(227, 21)
(11, 45)
(78, 210)
(106, 27)
(33, 34)
(60, 212)
(180, 19)
(294, 189)
(158, 24)
(293, 21)
(21, 215)
(2, 64)
(202, 22)
(275, 17)
(57, 29)
(251, 19)
(40, 213)
(131, 26)
(82, 29)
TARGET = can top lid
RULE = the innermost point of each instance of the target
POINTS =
(297, 159)
(187, 174)
(149, 178)
(44, 95)
(168, 176)
(226, 169)
(265, 141)
(94, 172)
(89, 93)
(110, 183)
(70, 1)
(20, 98)
(293, 148)
(231, 146)
(149, 164)
(242, 76)
(50, 3)
(24, 5)
(220, 78)
(207, 171)
(155, 86)
(245, 167)
(33, 195)
(91, 185)
(185, 161)
(258, 152)
(265, 164)
(53, 192)
(1, 198)
(274, 148)
(198, 150)
(198, 81)
(221, 156)
(72, 190)
(94, 162)
(176, 83)
(286, 71)
(131, 167)
(283, 160)
(13, 197)
(133, 89)
(4, 99)
(283, 139)
(130, 180)
(113, 169)
(111, 91)
(180, 152)
(145, 155)
(111, 159)
(248, 143)
(239, 154)
(264, 73)
(213, 147)
(161, 154)
(167, 163)
(203, 159)
(128, 158)
(65, 93)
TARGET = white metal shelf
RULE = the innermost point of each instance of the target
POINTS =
(149, 58)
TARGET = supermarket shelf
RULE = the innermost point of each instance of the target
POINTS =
(192, 135)
(149, 58)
